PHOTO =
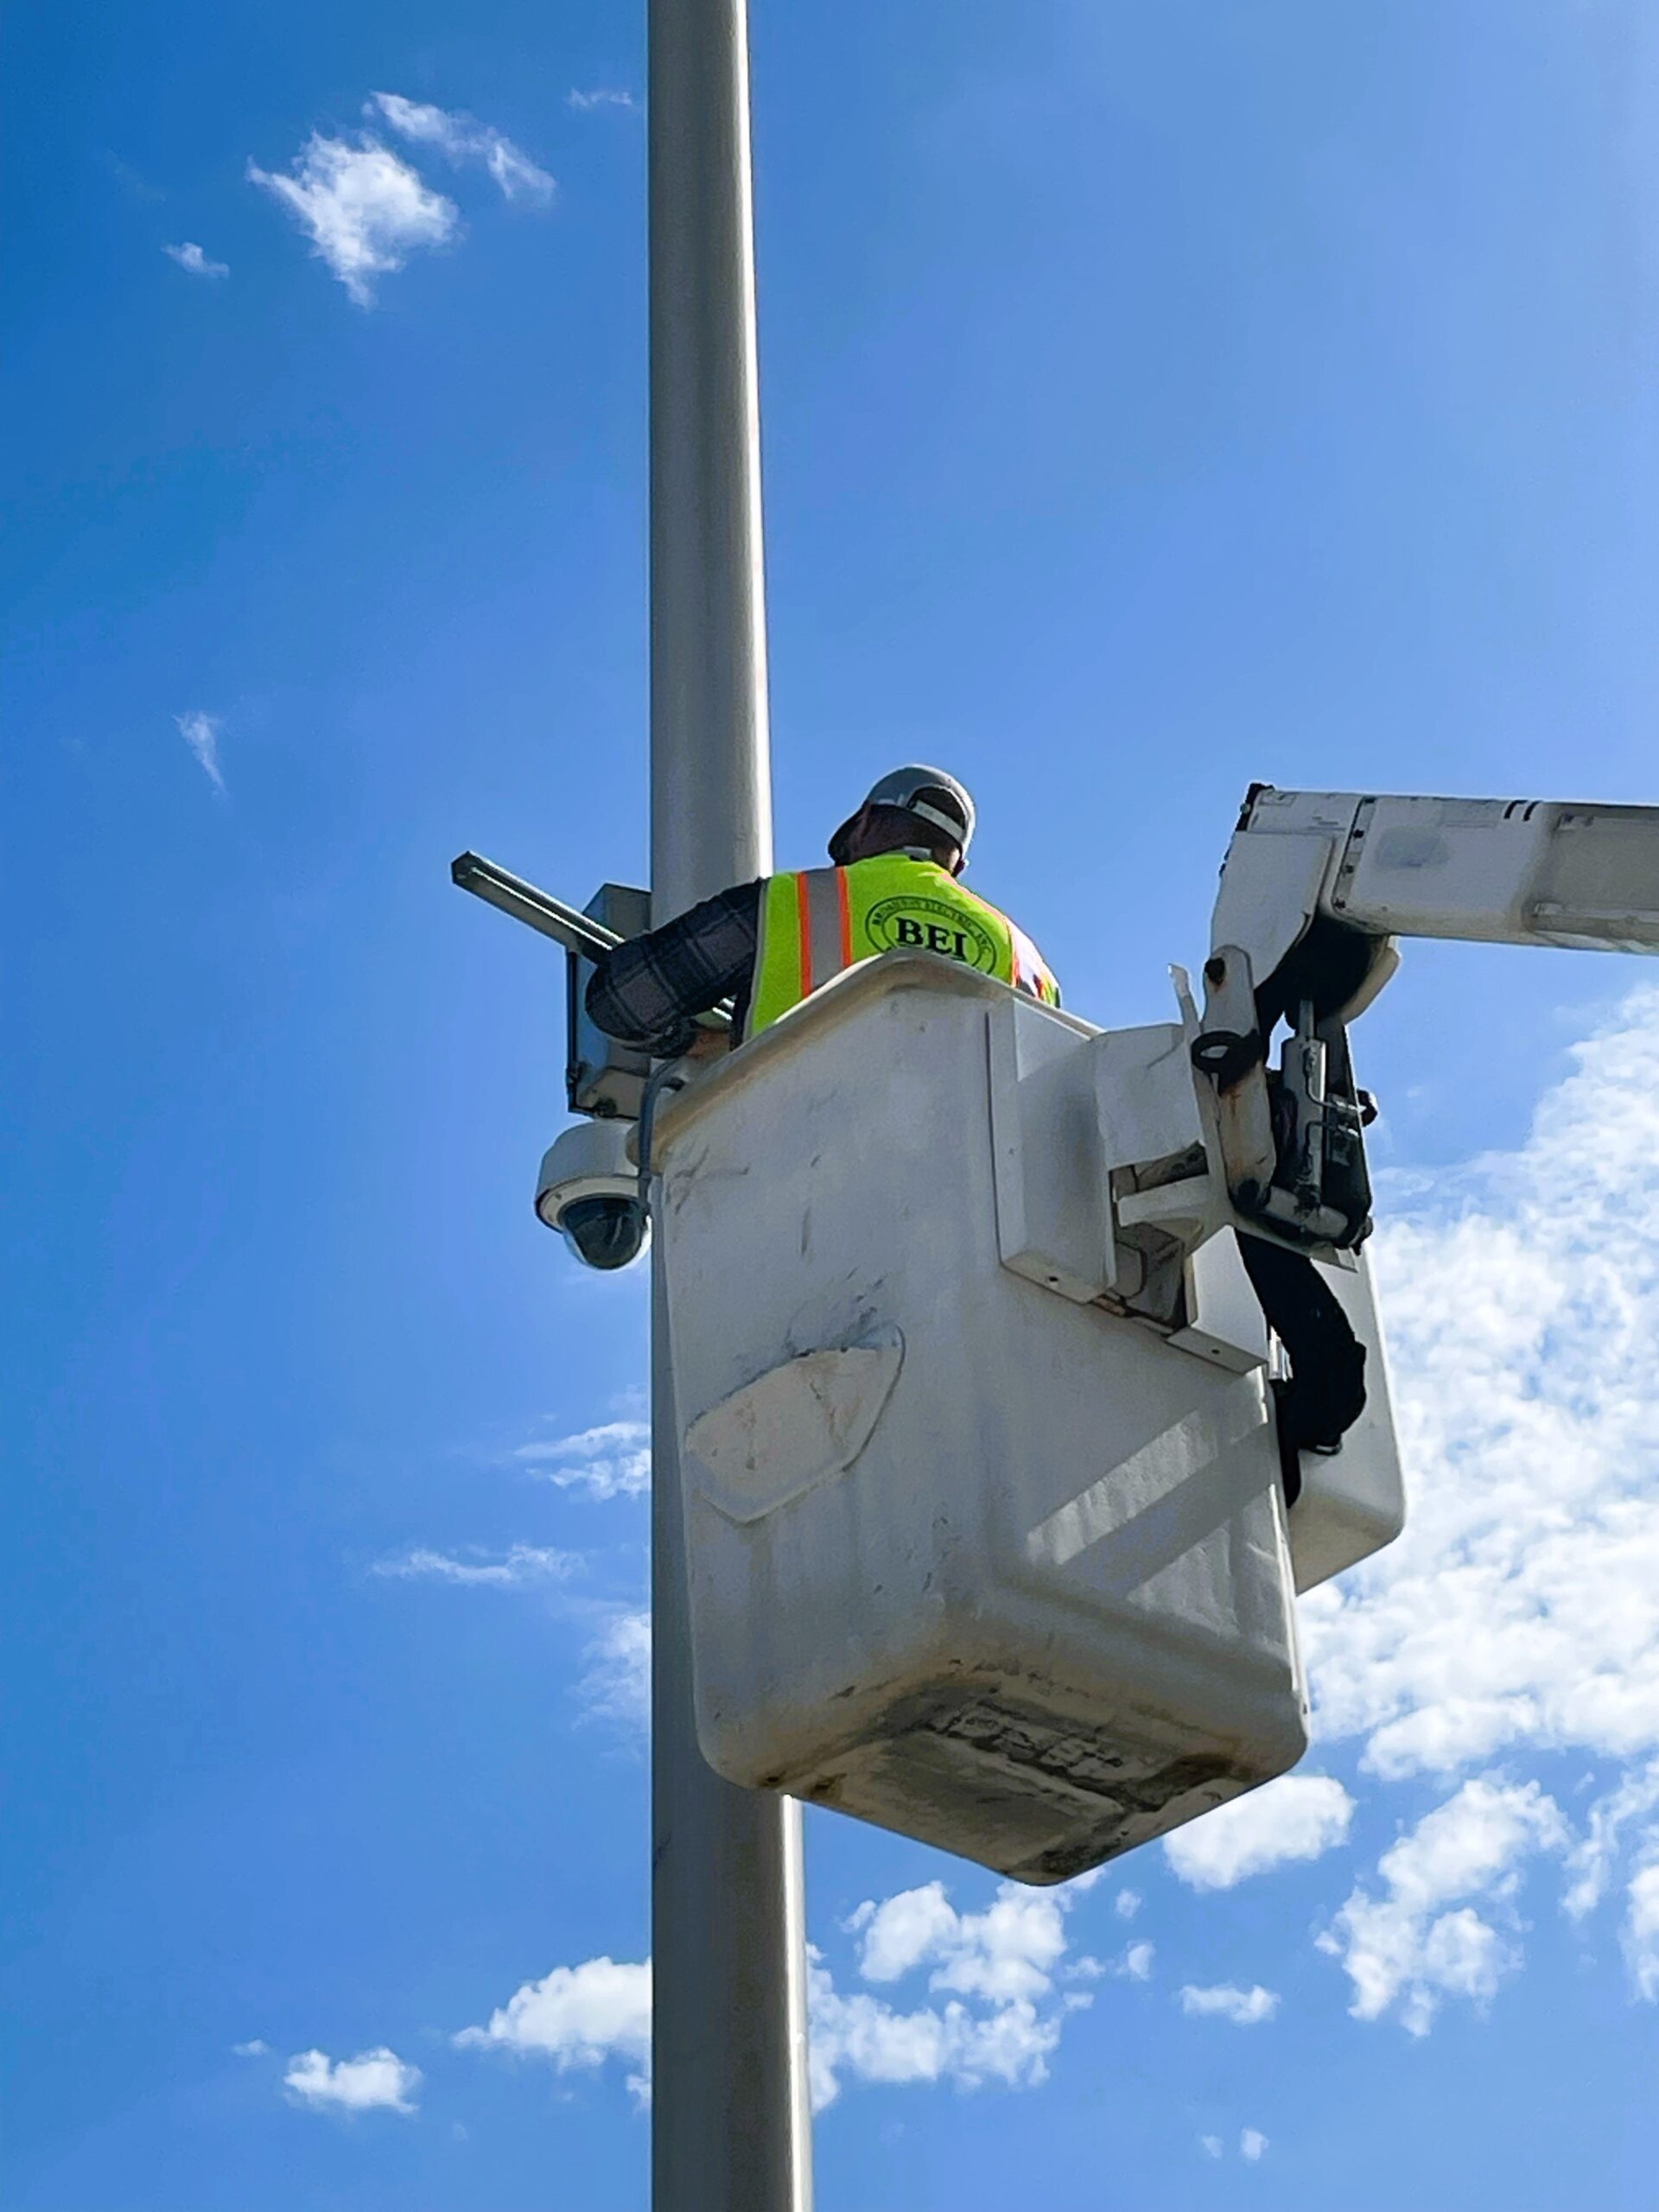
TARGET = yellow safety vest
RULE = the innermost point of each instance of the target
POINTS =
(815, 924)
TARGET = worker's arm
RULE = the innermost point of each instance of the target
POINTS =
(648, 990)
(1031, 973)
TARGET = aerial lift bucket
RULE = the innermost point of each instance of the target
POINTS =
(986, 1533)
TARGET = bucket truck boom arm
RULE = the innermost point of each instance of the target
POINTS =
(1316, 887)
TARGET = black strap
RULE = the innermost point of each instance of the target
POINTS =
(1325, 1395)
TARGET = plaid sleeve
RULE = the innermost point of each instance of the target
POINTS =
(646, 992)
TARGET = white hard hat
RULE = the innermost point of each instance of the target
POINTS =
(930, 794)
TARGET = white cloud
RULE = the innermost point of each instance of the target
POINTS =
(461, 139)
(1127, 1904)
(1007, 1952)
(125, 175)
(855, 2034)
(257, 2048)
(599, 96)
(523, 1563)
(1521, 1608)
(373, 2081)
(1001, 2019)
(1464, 1845)
(997, 1971)
(576, 2017)
(1591, 1861)
(1642, 1931)
(191, 257)
(615, 1684)
(201, 733)
(363, 208)
(1403, 1950)
(1300, 1817)
(613, 1460)
(1137, 1962)
(903, 1930)
(1244, 2008)
(1251, 2143)
(515, 173)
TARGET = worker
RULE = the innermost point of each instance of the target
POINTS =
(895, 886)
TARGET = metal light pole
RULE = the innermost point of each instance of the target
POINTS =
(731, 2129)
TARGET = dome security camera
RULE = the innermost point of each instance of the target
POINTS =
(589, 1189)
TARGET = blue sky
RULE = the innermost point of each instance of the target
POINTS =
(1154, 400)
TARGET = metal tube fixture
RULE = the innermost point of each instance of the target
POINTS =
(730, 2123)
(528, 903)
(549, 917)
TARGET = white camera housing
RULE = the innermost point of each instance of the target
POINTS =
(589, 1189)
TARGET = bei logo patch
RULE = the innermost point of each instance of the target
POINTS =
(932, 925)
